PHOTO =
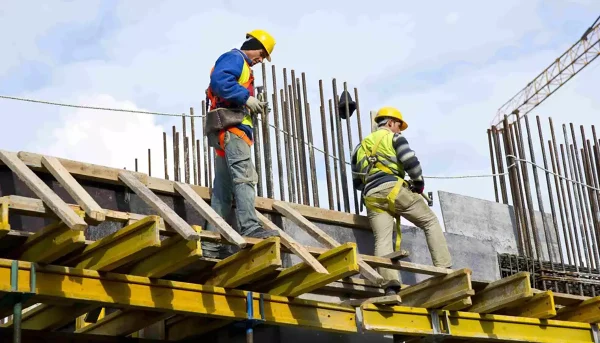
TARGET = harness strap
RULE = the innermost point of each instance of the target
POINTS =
(235, 131)
(389, 202)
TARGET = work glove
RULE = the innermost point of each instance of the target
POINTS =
(255, 105)
(417, 186)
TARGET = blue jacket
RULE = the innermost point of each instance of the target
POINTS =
(223, 80)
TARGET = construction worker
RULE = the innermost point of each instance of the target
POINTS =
(233, 104)
(379, 164)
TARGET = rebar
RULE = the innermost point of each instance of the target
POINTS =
(489, 132)
(311, 150)
(175, 175)
(277, 134)
(498, 149)
(205, 148)
(267, 138)
(186, 152)
(335, 164)
(360, 135)
(290, 176)
(301, 139)
(326, 146)
(257, 154)
(342, 156)
(149, 164)
(165, 155)
(350, 145)
(194, 160)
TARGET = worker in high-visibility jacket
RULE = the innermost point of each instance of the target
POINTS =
(379, 164)
(232, 87)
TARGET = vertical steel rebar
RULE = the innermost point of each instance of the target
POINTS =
(342, 155)
(325, 146)
(175, 176)
(177, 139)
(350, 147)
(149, 163)
(267, 138)
(498, 148)
(205, 145)
(136, 165)
(301, 138)
(333, 150)
(562, 207)
(580, 210)
(256, 131)
(489, 132)
(589, 198)
(360, 135)
(525, 216)
(290, 176)
(294, 137)
(277, 135)
(194, 160)
(165, 155)
(594, 194)
(198, 156)
(311, 150)
(550, 194)
(186, 152)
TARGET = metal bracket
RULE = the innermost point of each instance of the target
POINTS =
(14, 296)
(436, 324)
(595, 333)
(251, 322)
(358, 318)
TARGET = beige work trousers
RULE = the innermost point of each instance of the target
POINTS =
(412, 207)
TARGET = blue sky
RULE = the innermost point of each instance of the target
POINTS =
(446, 65)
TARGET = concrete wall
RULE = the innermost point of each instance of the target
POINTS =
(492, 222)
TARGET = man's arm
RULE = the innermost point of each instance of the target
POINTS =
(409, 160)
(356, 178)
(223, 79)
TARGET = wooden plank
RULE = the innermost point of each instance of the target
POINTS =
(459, 305)
(439, 291)
(209, 214)
(54, 202)
(173, 254)
(587, 312)
(298, 249)
(507, 292)
(129, 244)
(247, 264)
(382, 300)
(83, 198)
(322, 237)
(81, 170)
(168, 214)
(540, 306)
(396, 255)
(51, 243)
(299, 279)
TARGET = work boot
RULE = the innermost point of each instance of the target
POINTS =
(263, 234)
(391, 287)
(211, 250)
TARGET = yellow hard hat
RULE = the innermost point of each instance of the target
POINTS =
(391, 112)
(265, 38)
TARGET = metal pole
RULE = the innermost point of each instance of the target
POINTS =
(278, 134)
(335, 164)
(198, 156)
(165, 155)
(290, 176)
(205, 147)
(294, 137)
(500, 163)
(311, 150)
(360, 135)
(186, 152)
(175, 160)
(489, 132)
(325, 146)
(194, 160)
(301, 140)
(149, 164)
(342, 155)
(350, 147)
(589, 198)
(520, 190)
(257, 159)
(267, 138)
(136, 165)
(594, 194)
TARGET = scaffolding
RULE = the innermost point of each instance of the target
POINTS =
(149, 271)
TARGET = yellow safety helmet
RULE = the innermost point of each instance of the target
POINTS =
(391, 112)
(265, 38)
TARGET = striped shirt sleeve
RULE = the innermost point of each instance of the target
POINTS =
(407, 157)
(356, 178)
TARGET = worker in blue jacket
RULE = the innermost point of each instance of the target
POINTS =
(232, 87)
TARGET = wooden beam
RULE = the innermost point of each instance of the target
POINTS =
(507, 292)
(129, 244)
(169, 215)
(439, 291)
(540, 306)
(83, 198)
(209, 214)
(247, 265)
(51, 317)
(299, 279)
(382, 300)
(110, 175)
(323, 238)
(586, 312)
(51, 243)
(291, 244)
(54, 202)
(459, 305)
(123, 322)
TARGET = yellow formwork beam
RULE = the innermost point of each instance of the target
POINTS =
(439, 291)
(588, 311)
(247, 264)
(129, 244)
(412, 321)
(540, 305)
(50, 317)
(175, 253)
(127, 291)
(51, 243)
(4, 225)
(81, 323)
(340, 262)
(504, 293)
(123, 322)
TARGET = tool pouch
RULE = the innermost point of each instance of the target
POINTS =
(222, 118)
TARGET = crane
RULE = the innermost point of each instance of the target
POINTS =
(564, 68)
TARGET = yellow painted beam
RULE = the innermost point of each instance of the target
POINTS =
(117, 290)
(414, 321)
(504, 293)
(51, 317)
(80, 322)
(340, 262)
(540, 305)
(129, 244)
(4, 225)
(51, 243)
(175, 253)
(587, 312)
(247, 264)
(439, 291)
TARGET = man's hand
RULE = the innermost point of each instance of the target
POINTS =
(417, 186)
(255, 105)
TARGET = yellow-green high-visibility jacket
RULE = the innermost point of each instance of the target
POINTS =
(383, 156)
